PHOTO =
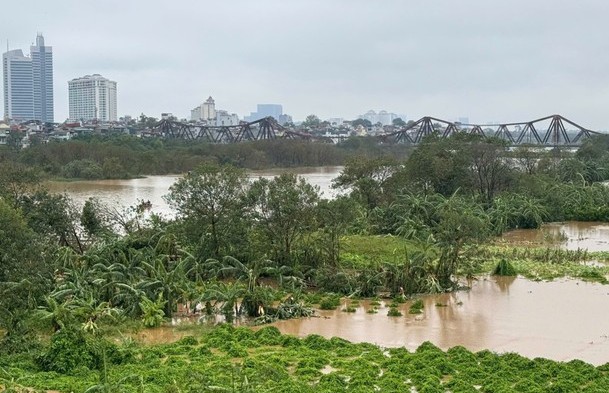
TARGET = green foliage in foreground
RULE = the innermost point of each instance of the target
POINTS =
(241, 360)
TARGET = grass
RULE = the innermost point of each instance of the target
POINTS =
(363, 251)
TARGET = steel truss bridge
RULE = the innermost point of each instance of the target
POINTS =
(545, 131)
(264, 129)
(548, 131)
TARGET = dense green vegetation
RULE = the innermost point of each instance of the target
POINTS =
(268, 249)
(117, 156)
(231, 359)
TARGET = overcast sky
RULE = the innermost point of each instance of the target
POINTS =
(483, 59)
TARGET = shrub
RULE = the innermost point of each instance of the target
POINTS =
(394, 312)
(68, 351)
(329, 303)
(504, 268)
(416, 307)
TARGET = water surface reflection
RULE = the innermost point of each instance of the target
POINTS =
(560, 320)
(129, 192)
(593, 236)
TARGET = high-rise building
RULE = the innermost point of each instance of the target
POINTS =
(383, 117)
(265, 110)
(272, 110)
(92, 97)
(42, 73)
(18, 86)
(28, 83)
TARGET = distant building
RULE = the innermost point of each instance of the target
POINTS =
(283, 119)
(196, 114)
(92, 97)
(5, 131)
(18, 86)
(383, 117)
(223, 118)
(206, 111)
(266, 110)
(28, 83)
(42, 73)
(336, 121)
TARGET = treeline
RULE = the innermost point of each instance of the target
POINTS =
(124, 156)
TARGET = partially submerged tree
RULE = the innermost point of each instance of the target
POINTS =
(209, 200)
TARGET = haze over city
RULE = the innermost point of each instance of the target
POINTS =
(488, 61)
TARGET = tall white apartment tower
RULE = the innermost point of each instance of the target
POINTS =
(18, 86)
(92, 97)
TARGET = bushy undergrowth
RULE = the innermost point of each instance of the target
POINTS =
(242, 360)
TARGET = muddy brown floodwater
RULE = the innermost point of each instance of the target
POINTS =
(560, 320)
(129, 192)
(593, 236)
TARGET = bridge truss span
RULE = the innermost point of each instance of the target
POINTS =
(264, 129)
(554, 130)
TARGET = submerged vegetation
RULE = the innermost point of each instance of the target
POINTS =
(269, 249)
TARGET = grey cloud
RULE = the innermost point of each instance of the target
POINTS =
(489, 60)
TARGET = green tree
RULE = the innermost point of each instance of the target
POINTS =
(53, 217)
(490, 167)
(282, 210)
(440, 165)
(15, 140)
(334, 217)
(398, 122)
(91, 218)
(209, 200)
(361, 122)
(367, 178)
(311, 121)
(17, 180)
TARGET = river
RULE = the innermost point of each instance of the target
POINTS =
(560, 320)
(126, 193)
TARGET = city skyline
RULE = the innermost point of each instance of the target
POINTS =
(28, 83)
(335, 59)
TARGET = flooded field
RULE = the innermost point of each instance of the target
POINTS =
(560, 320)
(572, 235)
